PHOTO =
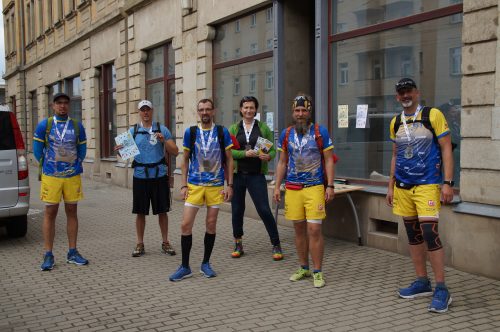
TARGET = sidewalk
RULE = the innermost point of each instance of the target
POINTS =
(116, 292)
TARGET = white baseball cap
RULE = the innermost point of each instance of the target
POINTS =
(143, 103)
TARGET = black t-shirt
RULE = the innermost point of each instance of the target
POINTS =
(248, 165)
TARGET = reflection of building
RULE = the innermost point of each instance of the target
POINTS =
(109, 54)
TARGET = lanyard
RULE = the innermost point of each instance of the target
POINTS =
(61, 136)
(303, 141)
(403, 119)
(205, 145)
(249, 132)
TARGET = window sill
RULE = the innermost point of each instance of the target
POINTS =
(49, 30)
(40, 38)
(59, 23)
(70, 15)
(478, 209)
(30, 45)
(112, 158)
(83, 4)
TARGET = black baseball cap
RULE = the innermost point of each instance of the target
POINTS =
(405, 83)
(60, 95)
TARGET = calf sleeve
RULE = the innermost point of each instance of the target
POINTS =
(431, 235)
(413, 231)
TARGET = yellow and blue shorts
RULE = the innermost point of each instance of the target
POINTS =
(53, 189)
(422, 201)
(201, 195)
(305, 204)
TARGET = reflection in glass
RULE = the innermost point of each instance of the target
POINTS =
(156, 96)
(154, 63)
(355, 14)
(375, 62)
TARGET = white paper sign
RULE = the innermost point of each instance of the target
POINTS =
(343, 116)
(129, 149)
(270, 120)
(257, 116)
(361, 115)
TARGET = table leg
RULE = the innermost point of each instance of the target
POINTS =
(355, 218)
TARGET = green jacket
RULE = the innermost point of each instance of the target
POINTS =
(240, 154)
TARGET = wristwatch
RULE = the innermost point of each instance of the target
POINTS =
(451, 183)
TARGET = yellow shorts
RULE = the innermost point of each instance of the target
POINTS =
(53, 189)
(422, 201)
(307, 203)
(199, 195)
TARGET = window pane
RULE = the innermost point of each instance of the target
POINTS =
(75, 111)
(154, 63)
(428, 53)
(112, 121)
(355, 14)
(171, 60)
(230, 43)
(246, 79)
(155, 93)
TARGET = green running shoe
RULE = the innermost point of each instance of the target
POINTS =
(300, 274)
(318, 280)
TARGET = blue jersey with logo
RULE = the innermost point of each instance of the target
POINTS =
(63, 157)
(418, 160)
(150, 153)
(304, 158)
(206, 167)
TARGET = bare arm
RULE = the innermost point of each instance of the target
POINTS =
(280, 174)
(228, 193)
(390, 188)
(447, 155)
(330, 174)
(171, 148)
(184, 169)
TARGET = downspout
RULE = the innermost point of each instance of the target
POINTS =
(127, 86)
(23, 72)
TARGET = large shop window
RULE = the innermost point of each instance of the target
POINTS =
(160, 88)
(107, 110)
(366, 63)
(243, 66)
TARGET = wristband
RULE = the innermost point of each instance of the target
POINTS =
(229, 185)
(330, 186)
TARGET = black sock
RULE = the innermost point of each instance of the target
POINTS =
(186, 243)
(209, 246)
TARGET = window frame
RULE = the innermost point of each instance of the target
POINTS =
(106, 90)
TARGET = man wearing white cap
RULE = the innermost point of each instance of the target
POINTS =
(150, 182)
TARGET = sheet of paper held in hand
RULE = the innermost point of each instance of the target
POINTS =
(129, 149)
(263, 145)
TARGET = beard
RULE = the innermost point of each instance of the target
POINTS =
(302, 126)
(206, 119)
(407, 103)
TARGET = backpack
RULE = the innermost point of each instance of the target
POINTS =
(319, 142)
(50, 122)
(426, 122)
(220, 137)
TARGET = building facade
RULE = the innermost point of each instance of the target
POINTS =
(109, 54)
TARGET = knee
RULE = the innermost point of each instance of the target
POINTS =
(211, 226)
(314, 231)
(431, 235)
(186, 228)
(414, 232)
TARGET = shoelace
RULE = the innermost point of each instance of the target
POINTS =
(317, 276)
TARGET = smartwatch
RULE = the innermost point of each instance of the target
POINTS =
(451, 183)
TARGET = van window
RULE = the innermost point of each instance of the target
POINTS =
(6, 133)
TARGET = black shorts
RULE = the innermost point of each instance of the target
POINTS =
(156, 191)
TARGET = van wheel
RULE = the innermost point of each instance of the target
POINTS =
(17, 226)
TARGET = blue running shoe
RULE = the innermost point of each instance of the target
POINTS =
(440, 300)
(206, 270)
(416, 289)
(181, 273)
(76, 258)
(48, 263)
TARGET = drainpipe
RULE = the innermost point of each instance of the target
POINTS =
(127, 85)
(22, 70)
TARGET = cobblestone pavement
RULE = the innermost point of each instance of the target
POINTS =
(116, 292)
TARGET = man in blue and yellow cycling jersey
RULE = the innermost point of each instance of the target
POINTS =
(422, 151)
(60, 145)
(301, 160)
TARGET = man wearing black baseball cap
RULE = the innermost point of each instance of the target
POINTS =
(60, 146)
(422, 147)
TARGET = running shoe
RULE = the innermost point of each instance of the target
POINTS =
(167, 248)
(48, 263)
(76, 258)
(416, 289)
(440, 300)
(238, 249)
(277, 253)
(206, 270)
(318, 280)
(300, 274)
(138, 250)
(181, 273)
